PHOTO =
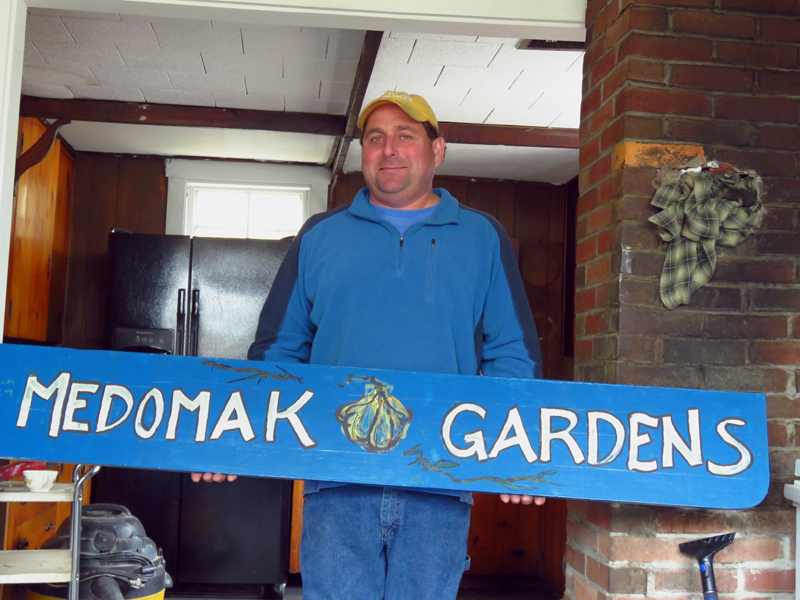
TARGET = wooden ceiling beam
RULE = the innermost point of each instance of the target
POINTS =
(510, 135)
(106, 111)
(372, 43)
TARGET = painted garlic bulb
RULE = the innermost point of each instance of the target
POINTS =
(376, 421)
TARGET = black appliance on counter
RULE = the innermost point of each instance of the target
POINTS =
(198, 297)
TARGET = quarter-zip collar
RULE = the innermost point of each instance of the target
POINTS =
(446, 210)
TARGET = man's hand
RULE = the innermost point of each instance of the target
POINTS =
(515, 499)
(215, 477)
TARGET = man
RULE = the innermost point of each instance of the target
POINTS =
(403, 278)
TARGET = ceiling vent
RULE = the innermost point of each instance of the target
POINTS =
(550, 45)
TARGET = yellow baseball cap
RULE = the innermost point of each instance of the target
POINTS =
(415, 107)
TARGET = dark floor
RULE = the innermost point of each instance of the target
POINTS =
(475, 588)
(472, 588)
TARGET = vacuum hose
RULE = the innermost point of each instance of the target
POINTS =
(106, 588)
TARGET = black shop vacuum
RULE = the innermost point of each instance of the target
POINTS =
(117, 560)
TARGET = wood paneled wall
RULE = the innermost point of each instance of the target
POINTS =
(110, 191)
(509, 539)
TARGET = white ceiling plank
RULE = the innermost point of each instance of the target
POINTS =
(281, 29)
(157, 80)
(346, 31)
(394, 51)
(402, 78)
(335, 90)
(96, 92)
(210, 83)
(193, 98)
(467, 113)
(197, 141)
(550, 165)
(186, 33)
(100, 31)
(497, 80)
(53, 12)
(570, 118)
(268, 43)
(47, 29)
(497, 40)
(282, 87)
(345, 47)
(328, 70)
(249, 101)
(567, 83)
(163, 59)
(46, 91)
(541, 114)
(316, 105)
(66, 55)
(216, 60)
(427, 52)
(433, 36)
(33, 57)
(537, 60)
(74, 75)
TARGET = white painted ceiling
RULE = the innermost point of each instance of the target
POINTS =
(468, 79)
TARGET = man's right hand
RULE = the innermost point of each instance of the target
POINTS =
(215, 477)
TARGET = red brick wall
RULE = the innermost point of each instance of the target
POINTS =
(720, 79)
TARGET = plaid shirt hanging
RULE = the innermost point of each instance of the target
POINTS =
(705, 207)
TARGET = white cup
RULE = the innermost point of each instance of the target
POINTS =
(39, 481)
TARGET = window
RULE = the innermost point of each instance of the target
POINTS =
(268, 212)
(252, 187)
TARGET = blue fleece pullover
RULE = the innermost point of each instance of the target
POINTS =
(446, 297)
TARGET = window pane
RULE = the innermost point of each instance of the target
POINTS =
(278, 213)
(219, 233)
(242, 211)
(222, 209)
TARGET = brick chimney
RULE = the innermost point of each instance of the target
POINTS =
(669, 82)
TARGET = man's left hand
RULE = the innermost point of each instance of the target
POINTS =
(515, 499)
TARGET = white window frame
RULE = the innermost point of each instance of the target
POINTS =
(182, 172)
(195, 184)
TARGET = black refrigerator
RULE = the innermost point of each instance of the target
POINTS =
(198, 297)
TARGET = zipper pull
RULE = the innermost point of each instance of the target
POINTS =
(401, 241)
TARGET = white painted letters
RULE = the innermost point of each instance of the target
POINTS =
(290, 414)
(672, 440)
(546, 416)
(520, 437)
(58, 386)
(157, 399)
(637, 440)
(110, 392)
(475, 439)
(234, 418)
(745, 456)
(199, 404)
(593, 416)
(76, 403)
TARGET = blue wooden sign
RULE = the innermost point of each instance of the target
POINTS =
(549, 438)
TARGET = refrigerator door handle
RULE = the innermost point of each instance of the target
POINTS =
(195, 318)
(180, 321)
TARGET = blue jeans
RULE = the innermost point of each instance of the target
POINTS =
(373, 543)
